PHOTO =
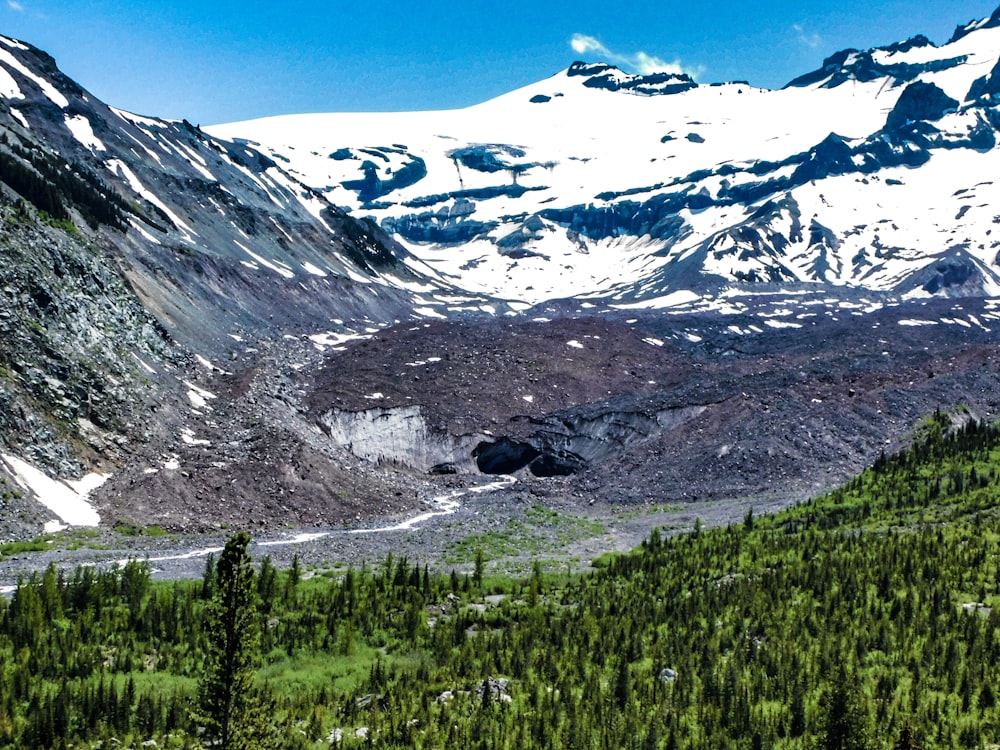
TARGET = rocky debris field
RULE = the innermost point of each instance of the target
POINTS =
(653, 408)
(616, 424)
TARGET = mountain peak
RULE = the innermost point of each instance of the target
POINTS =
(985, 23)
(611, 78)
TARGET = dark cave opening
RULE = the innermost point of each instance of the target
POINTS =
(507, 456)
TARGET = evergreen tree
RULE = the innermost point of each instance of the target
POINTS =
(230, 706)
(480, 567)
(845, 722)
(906, 740)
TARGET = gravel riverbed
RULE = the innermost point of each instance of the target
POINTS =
(511, 526)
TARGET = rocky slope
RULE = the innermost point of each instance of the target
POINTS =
(131, 249)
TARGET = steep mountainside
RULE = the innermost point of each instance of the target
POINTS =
(132, 248)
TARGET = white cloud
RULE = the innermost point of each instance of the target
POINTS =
(811, 40)
(14, 5)
(639, 62)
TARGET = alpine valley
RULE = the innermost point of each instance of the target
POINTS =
(624, 292)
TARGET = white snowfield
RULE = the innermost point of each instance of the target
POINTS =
(68, 500)
(575, 145)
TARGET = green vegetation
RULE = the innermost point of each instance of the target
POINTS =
(53, 185)
(542, 530)
(38, 544)
(70, 540)
(127, 529)
(865, 619)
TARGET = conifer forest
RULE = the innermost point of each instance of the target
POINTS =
(865, 618)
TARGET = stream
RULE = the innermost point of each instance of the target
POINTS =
(167, 564)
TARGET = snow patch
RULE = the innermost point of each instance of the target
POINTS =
(10, 90)
(119, 169)
(67, 499)
(138, 119)
(310, 268)
(143, 364)
(334, 340)
(198, 397)
(187, 435)
(275, 266)
(428, 312)
(50, 91)
(82, 130)
(674, 299)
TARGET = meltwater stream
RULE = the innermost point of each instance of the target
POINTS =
(443, 505)
(181, 565)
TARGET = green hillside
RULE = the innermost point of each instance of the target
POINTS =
(862, 619)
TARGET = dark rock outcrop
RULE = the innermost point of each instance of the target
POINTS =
(610, 78)
(963, 31)
(920, 101)
(987, 87)
(856, 65)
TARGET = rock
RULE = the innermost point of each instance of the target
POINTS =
(920, 102)
(372, 700)
(401, 436)
(987, 86)
(498, 688)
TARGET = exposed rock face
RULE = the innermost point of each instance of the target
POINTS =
(75, 338)
(127, 245)
(987, 86)
(856, 65)
(610, 78)
(963, 31)
(578, 439)
(559, 446)
(401, 436)
(920, 101)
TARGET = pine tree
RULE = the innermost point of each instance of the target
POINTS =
(480, 566)
(623, 690)
(230, 706)
(906, 740)
(845, 722)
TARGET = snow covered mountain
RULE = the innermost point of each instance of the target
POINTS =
(874, 173)
(134, 248)
(294, 320)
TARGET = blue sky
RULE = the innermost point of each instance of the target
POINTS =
(213, 62)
